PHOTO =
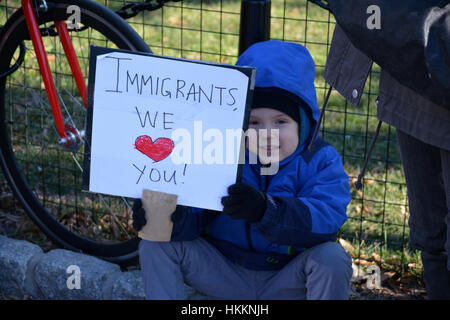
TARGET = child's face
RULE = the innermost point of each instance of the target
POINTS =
(272, 144)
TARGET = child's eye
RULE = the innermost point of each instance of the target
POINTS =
(254, 122)
(281, 121)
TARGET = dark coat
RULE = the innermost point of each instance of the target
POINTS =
(409, 99)
(412, 44)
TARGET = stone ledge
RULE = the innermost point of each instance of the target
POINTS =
(27, 270)
(14, 258)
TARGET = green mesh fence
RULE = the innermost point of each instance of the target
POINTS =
(377, 229)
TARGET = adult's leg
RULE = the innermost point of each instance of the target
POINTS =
(428, 209)
(166, 266)
(445, 159)
(322, 272)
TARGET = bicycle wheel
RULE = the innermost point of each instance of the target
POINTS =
(44, 177)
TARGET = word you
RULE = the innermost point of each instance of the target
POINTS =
(159, 175)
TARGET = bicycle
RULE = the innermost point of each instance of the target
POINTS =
(41, 139)
(41, 133)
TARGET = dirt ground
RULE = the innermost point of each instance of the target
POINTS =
(14, 223)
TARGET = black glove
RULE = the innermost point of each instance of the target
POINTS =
(139, 215)
(244, 202)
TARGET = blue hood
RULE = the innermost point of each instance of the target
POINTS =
(287, 66)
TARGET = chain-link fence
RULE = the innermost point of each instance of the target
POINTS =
(377, 229)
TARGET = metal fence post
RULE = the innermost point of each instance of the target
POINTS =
(255, 23)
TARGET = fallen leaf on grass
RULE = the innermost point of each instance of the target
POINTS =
(375, 256)
(362, 262)
(347, 246)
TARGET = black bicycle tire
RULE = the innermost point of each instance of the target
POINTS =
(116, 29)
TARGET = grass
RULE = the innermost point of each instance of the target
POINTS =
(209, 30)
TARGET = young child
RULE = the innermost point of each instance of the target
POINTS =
(275, 238)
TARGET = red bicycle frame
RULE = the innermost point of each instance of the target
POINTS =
(44, 66)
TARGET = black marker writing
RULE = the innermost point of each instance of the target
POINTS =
(210, 95)
(158, 175)
(178, 87)
(117, 73)
(220, 90)
(135, 79)
(141, 171)
(165, 119)
(149, 85)
(234, 100)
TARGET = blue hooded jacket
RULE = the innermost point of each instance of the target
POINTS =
(306, 199)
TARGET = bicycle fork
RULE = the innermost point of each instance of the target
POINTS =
(69, 136)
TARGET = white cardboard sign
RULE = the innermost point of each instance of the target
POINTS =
(161, 124)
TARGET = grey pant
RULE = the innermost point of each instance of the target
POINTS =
(321, 272)
(427, 175)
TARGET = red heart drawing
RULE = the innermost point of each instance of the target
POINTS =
(157, 150)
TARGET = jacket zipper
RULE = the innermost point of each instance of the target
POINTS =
(249, 239)
(247, 224)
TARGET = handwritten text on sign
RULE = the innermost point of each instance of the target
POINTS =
(141, 104)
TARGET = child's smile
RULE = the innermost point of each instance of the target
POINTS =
(278, 134)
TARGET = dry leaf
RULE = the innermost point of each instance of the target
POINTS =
(376, 256)
(347, 246)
